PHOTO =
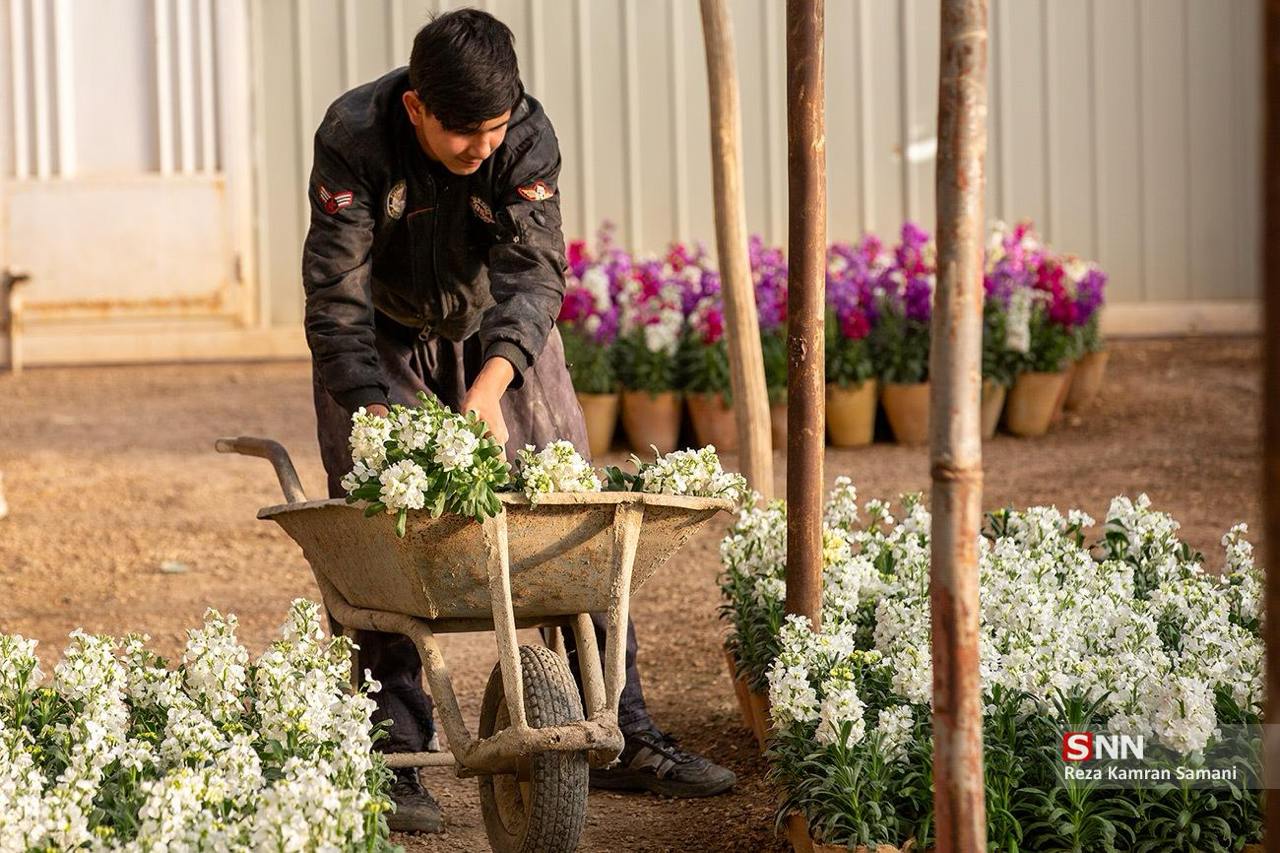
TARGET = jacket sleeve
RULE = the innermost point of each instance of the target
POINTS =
(527, 265)
(336, 274)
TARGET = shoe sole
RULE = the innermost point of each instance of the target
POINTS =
(624, 780)
(413, 827)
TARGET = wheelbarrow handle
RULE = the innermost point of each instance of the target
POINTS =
(265, 448)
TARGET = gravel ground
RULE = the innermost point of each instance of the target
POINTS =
(110, 475)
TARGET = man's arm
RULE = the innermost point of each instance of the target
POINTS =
(527, 266)
(336, 274)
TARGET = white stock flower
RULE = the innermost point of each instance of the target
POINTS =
(456, 445)
(369, 436)
(894, 727)
(404, 486)
(840, 707)
(1017, 330)
(556, 468)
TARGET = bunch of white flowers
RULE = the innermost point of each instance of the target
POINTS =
(558, 467)
(1140, 629)
(121, 753)
(696, 473)
(424, 457)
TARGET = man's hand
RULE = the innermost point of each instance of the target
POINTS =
(484, 397)
(377, 409)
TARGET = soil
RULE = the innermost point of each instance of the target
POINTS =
(123, 519)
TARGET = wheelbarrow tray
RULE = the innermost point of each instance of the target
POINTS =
(560, 552)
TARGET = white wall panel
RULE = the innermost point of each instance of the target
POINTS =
(1128, 129)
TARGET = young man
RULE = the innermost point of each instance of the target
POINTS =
(435, 262)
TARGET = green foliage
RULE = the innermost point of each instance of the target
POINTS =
(1053, 346)
(849, 361)
(591, 364)
(641, 369)
(773, 345)
(900, 348)
(999, 364)
(704, 368)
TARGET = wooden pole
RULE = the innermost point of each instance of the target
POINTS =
(742, 332)
(955, 368)
(1271, 416)
(806, 276)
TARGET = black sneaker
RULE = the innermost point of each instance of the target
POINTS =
(416, 810)
(651, 761)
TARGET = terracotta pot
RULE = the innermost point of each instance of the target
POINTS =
(713, 421)
(803, 842)
(740, 691)
(1087, 381)
(760, 716)
(601, 414)
(993, 394)
(907, 407)
(651, 419)
(851, 414)
(1029, 409)
(798, 833)
(778, 425)
(1060, 403)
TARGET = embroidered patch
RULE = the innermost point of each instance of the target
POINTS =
(395, 201)
(481, 209)
(536, 191)
(333, 202)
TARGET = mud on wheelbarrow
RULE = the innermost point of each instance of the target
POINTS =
(545, 566)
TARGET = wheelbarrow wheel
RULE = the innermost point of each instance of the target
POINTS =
(543, 806)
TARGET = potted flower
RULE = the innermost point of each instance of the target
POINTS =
(769, 275)
(651, 324)
(1031, 280)
(1090, 282)
(704, 375)
(851, 382)
(900, 339)
(1006, 312)
(1034, 395)
(588, 324)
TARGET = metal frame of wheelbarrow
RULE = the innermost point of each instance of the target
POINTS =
(598, 735)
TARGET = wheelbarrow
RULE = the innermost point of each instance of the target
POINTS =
(546, 566)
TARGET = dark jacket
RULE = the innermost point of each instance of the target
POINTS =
(450, 255)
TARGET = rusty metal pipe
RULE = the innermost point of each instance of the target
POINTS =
(807, 252)
(955, 370)
(265, 448)
(1271, 415)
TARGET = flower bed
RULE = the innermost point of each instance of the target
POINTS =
(1122, 631)
(120, 752)
(654, 327)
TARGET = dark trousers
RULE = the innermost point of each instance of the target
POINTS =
(542, 410)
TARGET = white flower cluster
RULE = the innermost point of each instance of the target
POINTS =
(1141, 628)
(121, 753)
(423, 457)
(696, 473)
(660, 317)
(558, 467)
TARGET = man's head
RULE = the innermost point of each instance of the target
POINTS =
(464, 82)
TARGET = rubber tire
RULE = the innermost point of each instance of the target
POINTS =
(555, 798)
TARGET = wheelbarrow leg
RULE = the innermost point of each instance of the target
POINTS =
(584, 634)
(504, 620)
(626, 533)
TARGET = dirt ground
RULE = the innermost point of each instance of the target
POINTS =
(110, 474)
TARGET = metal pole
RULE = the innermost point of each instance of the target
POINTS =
(746, 363)
(955, 369)
(807, 252)
(1271, 415)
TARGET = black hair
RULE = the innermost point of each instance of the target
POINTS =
(463, 67)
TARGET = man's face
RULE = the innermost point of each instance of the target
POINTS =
(460, 153)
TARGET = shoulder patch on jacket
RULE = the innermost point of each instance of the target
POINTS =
(332, 202)
(536, 191)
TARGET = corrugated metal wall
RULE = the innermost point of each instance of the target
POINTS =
(1128, 129)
